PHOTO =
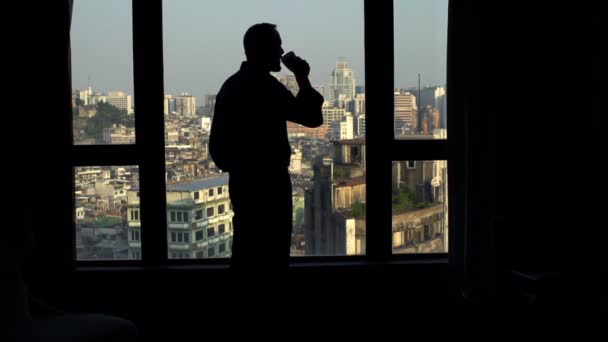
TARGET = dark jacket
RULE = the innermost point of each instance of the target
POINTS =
(249, 128)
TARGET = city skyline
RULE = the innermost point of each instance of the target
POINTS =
(102, 52)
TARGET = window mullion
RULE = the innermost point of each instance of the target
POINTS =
(419, 150)
(148, 79)
(102, 155)
(379, 79)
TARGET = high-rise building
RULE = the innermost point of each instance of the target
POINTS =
(431, 96)
(320, 89)
(169, 105)
(356, 105)
(359, 102)
(120, 100)
(199, 219)
(185, 105)
(405, 112)
(331, 114)
(341, 82)
(210, 104)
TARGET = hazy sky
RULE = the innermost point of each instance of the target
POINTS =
(203, 40)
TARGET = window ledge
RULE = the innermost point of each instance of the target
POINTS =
(297, 264)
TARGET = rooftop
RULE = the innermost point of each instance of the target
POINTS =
(199, 184)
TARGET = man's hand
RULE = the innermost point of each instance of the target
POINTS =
(298, 66)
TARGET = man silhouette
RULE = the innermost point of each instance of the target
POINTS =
(249, 140)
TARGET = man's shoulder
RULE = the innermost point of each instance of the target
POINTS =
(231, 82)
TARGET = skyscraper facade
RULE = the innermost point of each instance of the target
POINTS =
(341, 82)
(185, 105)
(405, 112)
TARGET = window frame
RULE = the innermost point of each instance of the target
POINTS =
(148, 152)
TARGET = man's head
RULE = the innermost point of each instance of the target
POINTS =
(263, 46)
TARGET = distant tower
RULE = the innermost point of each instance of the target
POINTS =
(341, 82)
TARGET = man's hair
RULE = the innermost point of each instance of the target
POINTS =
(258, 37)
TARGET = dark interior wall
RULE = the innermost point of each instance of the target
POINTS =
(513, 63)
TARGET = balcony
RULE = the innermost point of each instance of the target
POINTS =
(134, 244)
(214, 240)
(178, 225)
(221, 217)
(179, 246)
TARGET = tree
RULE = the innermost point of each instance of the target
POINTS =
(403, 199)
(106, 116)
(358, 210)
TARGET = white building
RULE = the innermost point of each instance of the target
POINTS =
(206, 124)
(120, 100)
(199, 219)
(84, 95)
(343, 129)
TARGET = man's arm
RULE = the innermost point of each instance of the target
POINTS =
(305, 108)
(220, 140)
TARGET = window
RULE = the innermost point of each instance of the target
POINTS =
(199, 235)
(200, 255)
(211, 252)
(340, 78)
(135, 235)
(210, 232)
(180, 237)
(180, 255)
(420, 70)
(135, 254)
(222, 248)
(414, 136)
(221, 229)
(99, 212)
(102, 106)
